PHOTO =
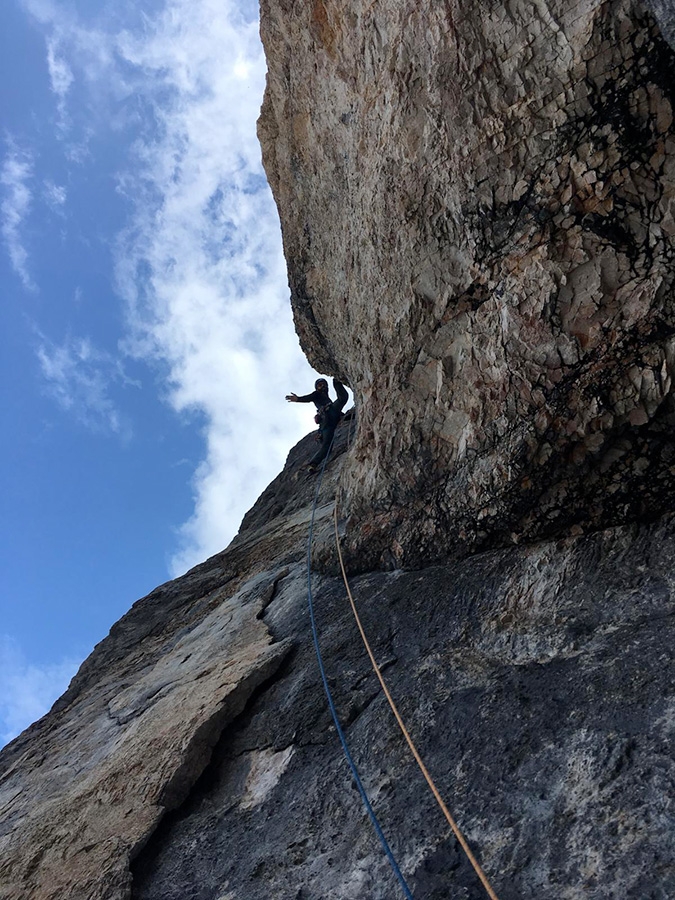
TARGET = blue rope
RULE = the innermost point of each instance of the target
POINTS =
(338, 727)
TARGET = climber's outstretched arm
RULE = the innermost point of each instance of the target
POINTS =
(306, 398)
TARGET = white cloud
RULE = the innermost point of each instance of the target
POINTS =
(15, 177)
(27, 691)
(55, 196)
(78, 152)
(79, 377)
(60, 73)
(78, 52)
(200, 265)
(61, 78)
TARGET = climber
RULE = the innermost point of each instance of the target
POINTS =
(327, 417)
(319, 396)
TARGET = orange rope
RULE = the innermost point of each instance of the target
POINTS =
(446, 812)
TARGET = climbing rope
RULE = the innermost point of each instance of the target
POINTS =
(406, 734)
(331, 704)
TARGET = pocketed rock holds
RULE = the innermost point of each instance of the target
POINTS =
(482, 197)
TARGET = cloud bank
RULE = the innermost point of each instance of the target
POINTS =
(199, 266)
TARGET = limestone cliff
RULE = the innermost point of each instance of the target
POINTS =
(477, 208)
(477, 204)
(193, 755)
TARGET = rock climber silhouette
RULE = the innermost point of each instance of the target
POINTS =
(329, 413)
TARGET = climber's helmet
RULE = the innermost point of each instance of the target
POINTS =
(321, 384)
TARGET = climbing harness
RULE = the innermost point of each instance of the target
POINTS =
(406, 734)
(331, 704)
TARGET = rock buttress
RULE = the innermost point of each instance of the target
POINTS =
(539, 686)
(477, 204)
(193, 756)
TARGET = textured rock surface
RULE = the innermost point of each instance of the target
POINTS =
(82, 789)
(77, 810)
(478, 205)
(538, 682)
(540, 685)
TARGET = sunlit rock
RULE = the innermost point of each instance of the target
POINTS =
(477, 205)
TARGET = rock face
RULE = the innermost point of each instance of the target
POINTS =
(193, 757)
(478, 203)
(546, 713)
(83, 789)
(477, 206)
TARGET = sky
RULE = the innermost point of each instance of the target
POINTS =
(146, 338)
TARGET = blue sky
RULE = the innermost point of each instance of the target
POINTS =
(146, 340)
